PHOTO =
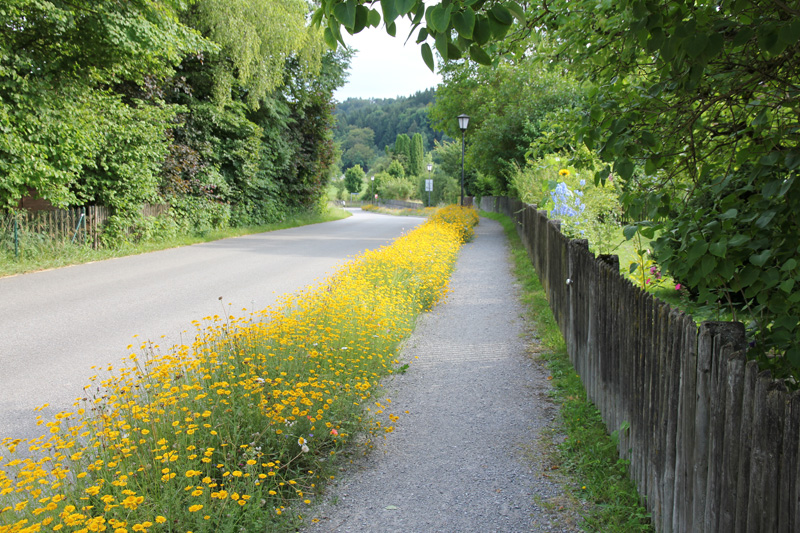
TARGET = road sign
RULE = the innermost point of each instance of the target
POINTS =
(428, 185)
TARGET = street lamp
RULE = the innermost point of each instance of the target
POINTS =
(372, 179)
(463, 123)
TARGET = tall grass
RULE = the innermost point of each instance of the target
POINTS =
(238, 430)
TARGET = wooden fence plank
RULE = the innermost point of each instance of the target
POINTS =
(743, 481)
(734, 387)
(788, 481)
(773, 439)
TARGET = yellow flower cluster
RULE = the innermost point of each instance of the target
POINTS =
(236, 428)
(464, 219)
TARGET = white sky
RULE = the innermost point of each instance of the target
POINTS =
(383, 67)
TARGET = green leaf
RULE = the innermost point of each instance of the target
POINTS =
(374, 18)
(516, 10)
(438, 17)
(391, 28)
(792, 160)
(790, 264)
(624, 167)
(768, 37)
(707, 265)
(464, 23)
(695, 44)
(718, 248)
(482, 31)
(453, 52)
(389, 10)
(787, 285)
(477, 54)
(362, 18)
(423, 34)
(715, 44)
(404, 6)
(441, 45)
(629, 231)
(745, 34)
(761, 259)
(345, 13)
(502, 14)
(427, 56)
(790, 32)
(730, 213)
(330, 40)
(765, 218)
(697, 250)
(738, 240)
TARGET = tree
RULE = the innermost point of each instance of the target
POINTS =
(416, 163)
(58, 116)
(354, 179)
(396, 170)
(510, 107)
(256, 39)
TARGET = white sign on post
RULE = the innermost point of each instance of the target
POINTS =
(428, 185)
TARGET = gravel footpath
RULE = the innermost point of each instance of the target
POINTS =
(468, 456)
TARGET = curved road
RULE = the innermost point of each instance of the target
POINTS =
(55, 325)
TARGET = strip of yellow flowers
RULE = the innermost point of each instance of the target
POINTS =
(234, 432)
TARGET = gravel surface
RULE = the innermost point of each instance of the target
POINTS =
(469, 455)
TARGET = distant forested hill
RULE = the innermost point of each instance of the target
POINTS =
(366, 126)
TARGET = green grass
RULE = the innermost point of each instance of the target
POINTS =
(588, 455)
(54, 254)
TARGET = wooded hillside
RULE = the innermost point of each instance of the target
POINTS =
(366, 127)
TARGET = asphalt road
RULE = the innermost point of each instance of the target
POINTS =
(55, 325)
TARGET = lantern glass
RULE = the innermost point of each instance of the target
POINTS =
(463, 122)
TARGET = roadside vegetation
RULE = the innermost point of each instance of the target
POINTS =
(689, 110)
(240, 430)
(588, 455)
(40, 253)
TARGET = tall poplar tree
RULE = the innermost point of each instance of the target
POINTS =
(416, 157)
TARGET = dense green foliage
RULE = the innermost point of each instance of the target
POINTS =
(510, 107)
(695, 108)
(221, 108)
(692, 106)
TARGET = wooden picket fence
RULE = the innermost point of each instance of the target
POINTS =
(712, 442)
(77, 224)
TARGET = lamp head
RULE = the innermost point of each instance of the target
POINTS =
(463, 122)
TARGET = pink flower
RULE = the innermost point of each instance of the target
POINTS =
(334, 432)
(678, 286)
(648, 281)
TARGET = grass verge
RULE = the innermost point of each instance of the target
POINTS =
(588, 454)
(45, 255)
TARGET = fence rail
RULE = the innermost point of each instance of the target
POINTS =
(712, 442)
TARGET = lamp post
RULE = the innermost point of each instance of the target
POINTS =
(430, 167)
(463, 123)
(372, 179)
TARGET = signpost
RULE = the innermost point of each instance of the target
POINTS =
(429, 188)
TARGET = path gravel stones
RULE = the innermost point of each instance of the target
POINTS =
(468, 455)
